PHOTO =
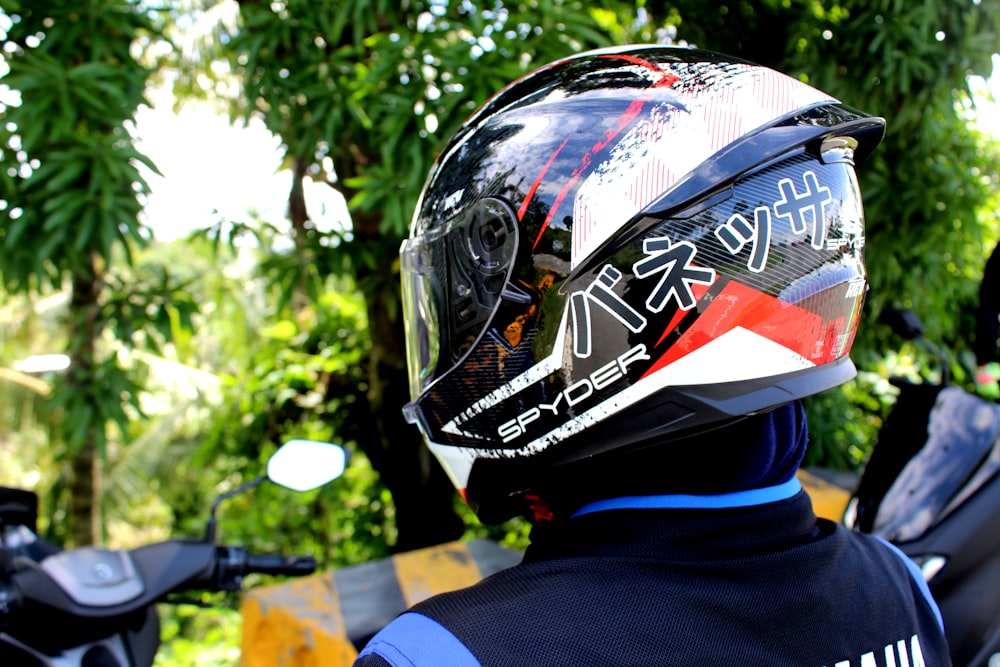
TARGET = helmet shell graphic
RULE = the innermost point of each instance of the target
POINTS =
(623, 247)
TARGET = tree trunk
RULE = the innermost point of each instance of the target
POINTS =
(83, 517)
(422, 494)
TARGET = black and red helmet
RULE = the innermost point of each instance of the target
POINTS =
(623, 247)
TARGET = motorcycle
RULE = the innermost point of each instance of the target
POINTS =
(931, 487)
(94, 607)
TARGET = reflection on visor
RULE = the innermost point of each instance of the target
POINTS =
(453, 276)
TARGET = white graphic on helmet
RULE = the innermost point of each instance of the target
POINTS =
(576, 393)
(677, 272)
(453, 200)
(804, 210)
(675, 261)
(737, 232)
(856, 287)
(677, 136)
(600, 293)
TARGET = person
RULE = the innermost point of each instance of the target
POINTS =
(625, 272)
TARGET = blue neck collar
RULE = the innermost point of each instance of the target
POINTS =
(747, 498)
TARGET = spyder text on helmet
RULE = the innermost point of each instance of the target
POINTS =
(577, 392)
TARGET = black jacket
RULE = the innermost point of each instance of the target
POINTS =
(760, 584)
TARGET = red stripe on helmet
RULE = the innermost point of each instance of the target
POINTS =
(625, 120)
(738, 305)
(666, 78)
(534, 186)
(633, 110)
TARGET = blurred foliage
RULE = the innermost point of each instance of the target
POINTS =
(299, 376)
(391, 81)
(366, 92)
(70, 198)
(197, 636)
(269, 334)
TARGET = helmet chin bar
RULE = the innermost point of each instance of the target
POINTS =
(498, 486)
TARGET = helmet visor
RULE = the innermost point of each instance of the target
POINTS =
(452, 279)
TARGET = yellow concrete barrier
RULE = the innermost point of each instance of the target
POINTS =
(829, 500)
(323, 620)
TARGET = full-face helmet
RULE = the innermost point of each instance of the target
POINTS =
(625, 247)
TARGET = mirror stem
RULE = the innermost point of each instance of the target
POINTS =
(210, 528)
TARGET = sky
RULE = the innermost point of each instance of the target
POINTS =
(989, 93)
(212, 169)
(209, 168)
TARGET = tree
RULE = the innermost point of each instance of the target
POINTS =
(362, 94)
(71, 196)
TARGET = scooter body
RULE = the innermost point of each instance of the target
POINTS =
(932, 488)
(93, 607)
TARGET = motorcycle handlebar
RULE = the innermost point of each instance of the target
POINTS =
(294, 566)
(163, 568)
(234, 563)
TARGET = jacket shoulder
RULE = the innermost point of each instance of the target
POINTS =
(412, 640)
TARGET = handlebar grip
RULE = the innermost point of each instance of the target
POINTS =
(294, 566)
(234, 563)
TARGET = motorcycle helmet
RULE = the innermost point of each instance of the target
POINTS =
(624, 248)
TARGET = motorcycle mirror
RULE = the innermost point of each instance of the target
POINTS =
(299, 465)
(302, 465)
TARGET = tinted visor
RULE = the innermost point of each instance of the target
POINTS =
(452, 279)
